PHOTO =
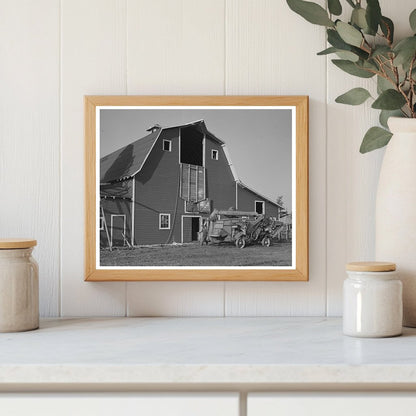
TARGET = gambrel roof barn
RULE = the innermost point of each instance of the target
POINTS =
(159, 188)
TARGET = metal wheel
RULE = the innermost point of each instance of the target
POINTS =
(240, 242)
(266, 242)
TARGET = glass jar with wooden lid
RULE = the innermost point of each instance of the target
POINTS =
(372, 300)
(19, 286)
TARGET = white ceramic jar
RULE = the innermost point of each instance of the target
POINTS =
(372, 300)
(19, 286)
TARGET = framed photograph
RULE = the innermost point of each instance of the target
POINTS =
(196, 188)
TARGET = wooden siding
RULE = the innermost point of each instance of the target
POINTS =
(246, 202)
(116, 207)
(220, 181)
(157, 189)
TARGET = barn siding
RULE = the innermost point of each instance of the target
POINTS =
(246, 199)
(157, 189)
(115, 207)
(220, 181)
(157, 192)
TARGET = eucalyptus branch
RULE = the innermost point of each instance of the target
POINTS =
(365, 44)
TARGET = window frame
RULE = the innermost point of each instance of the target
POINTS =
(263, 205)
(160, 221)
(212, 154)
(170, 145)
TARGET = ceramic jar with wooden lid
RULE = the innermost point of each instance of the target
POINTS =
(19, 286)
(372, 300)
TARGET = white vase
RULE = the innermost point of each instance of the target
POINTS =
(396, 210)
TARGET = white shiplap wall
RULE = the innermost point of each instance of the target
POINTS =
(55, 52)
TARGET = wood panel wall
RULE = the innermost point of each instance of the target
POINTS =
(53, 52)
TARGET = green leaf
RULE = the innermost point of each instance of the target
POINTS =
(381, 50)
(375, 138)
(327, 51)
(412, 20)
(334, 7)
(387, 27)
(373, 15)
(405, 50)
(383, 84)
(356, 96)
(386, 114)
(350, 56)
(347, 55)
(389, 100)
(352, 68)
(311, 12)
(349, 34)
(358, 18)
(336, 41)
(370, 65)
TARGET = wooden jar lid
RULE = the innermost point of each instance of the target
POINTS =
(371, 266)
(11, 243)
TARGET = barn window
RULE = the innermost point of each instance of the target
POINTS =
(101, 223)
(164, 221)
(214, 154)
(167, 145)
(259, 207)
(192, 183)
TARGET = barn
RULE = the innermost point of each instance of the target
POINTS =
(158, 189)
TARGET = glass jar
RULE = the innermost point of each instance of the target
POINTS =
(19, 286)
(372, 300)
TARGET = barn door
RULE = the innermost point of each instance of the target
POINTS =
(190, 229)
(118, 229)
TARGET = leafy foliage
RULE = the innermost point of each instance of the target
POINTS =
(352, 68)
(389, 100)
(366, 47)
(334, 7)
(311, 12)
(412, 20)
(355, 96)
(375, 138)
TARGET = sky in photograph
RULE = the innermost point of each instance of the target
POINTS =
(259, 141)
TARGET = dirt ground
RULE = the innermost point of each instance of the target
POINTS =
(278, 254)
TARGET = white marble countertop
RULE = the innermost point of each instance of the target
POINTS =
(204, 351)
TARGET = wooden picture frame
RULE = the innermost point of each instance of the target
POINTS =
(97, 217)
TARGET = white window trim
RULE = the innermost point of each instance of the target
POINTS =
(264, 207)
(216, 153)
(170, 145)
(160, 221)
(101, 223)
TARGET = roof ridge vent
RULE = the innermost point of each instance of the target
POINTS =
(154, 128)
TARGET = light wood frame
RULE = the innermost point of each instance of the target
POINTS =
(300, 273)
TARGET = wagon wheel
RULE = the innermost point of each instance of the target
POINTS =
(266, 242)
(240, 242)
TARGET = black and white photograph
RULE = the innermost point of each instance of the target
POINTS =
(200, 187)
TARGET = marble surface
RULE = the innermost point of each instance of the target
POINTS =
(204, 351)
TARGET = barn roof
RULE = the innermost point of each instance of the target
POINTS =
(129, 160)
(243, 185)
